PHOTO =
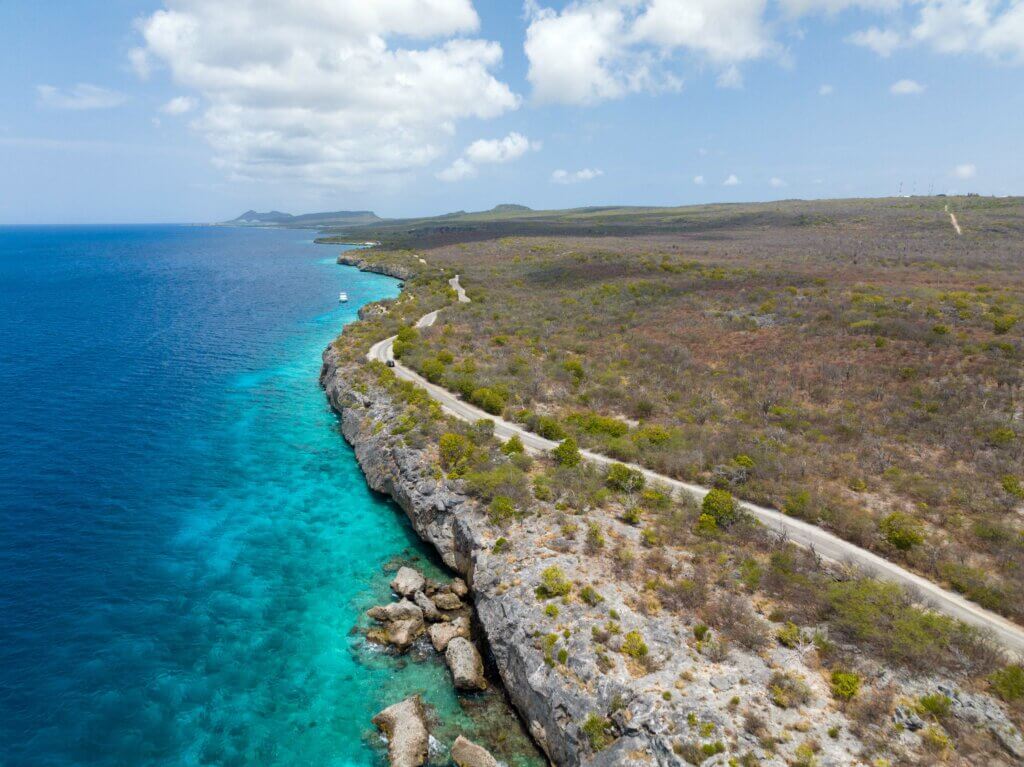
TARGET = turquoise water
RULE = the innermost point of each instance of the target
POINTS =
(188, 545)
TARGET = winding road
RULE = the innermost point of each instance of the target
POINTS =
(825, 544)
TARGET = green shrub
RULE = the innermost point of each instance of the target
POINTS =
(1008, 683)
(902, 531)
(501, 511)
(514, 446)
(706, 526)
(789, 635)
(624, 479)
(575, 369)
(744, 461)
(1002, 324)
(1013, 486)
(788, 690)
(935, 705)
(720, 506)
(845, 684)
(632, 516)
(553, 583)
(655, 499)
(567, 453)
(599, 731)
(595, 538)
(634, 646)
(797, 503)
(432, 370)
(589, 595)
(598, 425)
(551, 610)
(549, 428)
(501, 545)
(1001, 437)
(488, 399)
(455, 450)
(503, 479)
(700, 632)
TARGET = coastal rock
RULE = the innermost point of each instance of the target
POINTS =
(447, 601)
(402, 624)
(407, 582)
(459, 587)
(443, 633)
(466, 665)
(405, 726)
(466, 753)
(426, 604)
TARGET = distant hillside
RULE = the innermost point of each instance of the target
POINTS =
(277, 218)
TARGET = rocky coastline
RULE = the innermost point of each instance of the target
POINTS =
(587, 699)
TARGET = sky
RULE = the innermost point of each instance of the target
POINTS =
(135, 111)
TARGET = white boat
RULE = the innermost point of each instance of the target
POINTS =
(343, 297)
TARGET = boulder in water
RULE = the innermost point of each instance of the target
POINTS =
(466, 753)
(407, 582)
(405, 726)
(443, 633)
(466, 665)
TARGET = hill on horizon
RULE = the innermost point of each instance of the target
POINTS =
(333, 218)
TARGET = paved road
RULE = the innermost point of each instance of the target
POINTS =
(828, 546)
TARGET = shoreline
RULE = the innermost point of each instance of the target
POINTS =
(401, 476)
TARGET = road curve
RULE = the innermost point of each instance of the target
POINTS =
(825, 544)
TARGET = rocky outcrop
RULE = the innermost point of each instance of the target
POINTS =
(405, 726)
(352, 258)
(402, 624)
(443, 633)
(466, 665)
(466, 753)
(407, 582)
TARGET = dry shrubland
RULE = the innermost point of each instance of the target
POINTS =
(854, 363)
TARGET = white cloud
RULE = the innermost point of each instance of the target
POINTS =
(179, 105)
(826, 90)
(459, 170)
(335, 92)
(989, 27)
(777, 183)
(732, 180)
(730, 78)
(698, 180)
(575, 177)
(79, 97)
(513, 146)
(881, 41)
(906, 88)
(594, 50)
(488, 152)
(965, 171)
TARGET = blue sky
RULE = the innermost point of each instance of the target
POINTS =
(189, 110)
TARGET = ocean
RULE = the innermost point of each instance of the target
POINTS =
(187, 545)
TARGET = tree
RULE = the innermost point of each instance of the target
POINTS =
(624, 479)
(567, 453)
(720, 506)
(514, 446)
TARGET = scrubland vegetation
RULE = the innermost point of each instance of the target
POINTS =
(854, 364)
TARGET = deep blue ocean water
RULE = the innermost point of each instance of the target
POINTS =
(186, 542)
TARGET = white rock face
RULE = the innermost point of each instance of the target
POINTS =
(443, 633)
(405, 726)
(466, 753)
(466, 665)
(407, 582)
